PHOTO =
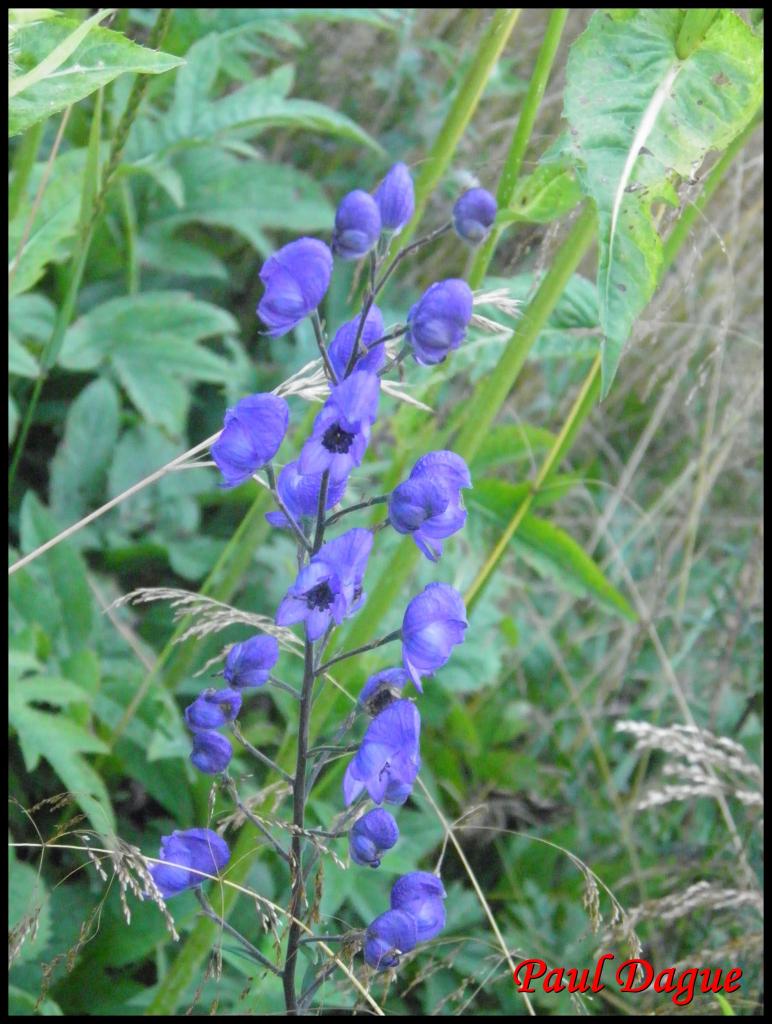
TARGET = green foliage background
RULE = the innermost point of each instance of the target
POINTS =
(612, 557)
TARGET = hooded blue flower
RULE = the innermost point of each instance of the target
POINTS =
(474, 214)
(388, 760)
(252, 434)
(383, 689)
(191, 851)
(341, 431)
(370, 836)
(434, 623)
(437, 323)
(428, 504)
(213, 708)
(296, 279)
(300, 493)
(421, 895)
(330, 587)
(343, 342)
(395, 198)
(250, 663)
(390, 935)
(212, 752)
(357, 225)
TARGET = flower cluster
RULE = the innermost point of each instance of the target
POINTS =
(329, 585)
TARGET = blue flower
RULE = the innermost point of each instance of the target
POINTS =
(343, 342)
(395, 198)
(250, 663)
(437, 323)
(330, 587)
(434, 623)
(194, 850)
(383, 689)
(316, 598)
(388, 760)
(357, 225)
(296, 279)
(474, 214)
(347, 556)
(252, 434)
(300, 493)
(341, 431)
(213, 708)
(390, 935)
(212, 752)
(421, 895)
(428, 504)
(370, 836)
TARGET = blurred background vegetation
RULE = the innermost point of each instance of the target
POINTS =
(139, 218)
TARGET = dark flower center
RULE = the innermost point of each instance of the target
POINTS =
(337, 440)
(384, 771)
(320, 596)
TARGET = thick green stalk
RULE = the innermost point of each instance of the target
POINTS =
(23, 162)
(489, 49)
(589, 390)
(89, 217)
(521, 138)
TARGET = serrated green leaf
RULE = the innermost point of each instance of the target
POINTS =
(99, 58)
(248, 197)
(243, 113)
(553, 552)
(79, 467)
(54, 60)
(638, 115)
(65, 569)
(54, 222)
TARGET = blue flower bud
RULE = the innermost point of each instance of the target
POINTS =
(383, 689)
(428, 504)
(433, 624)
(374, 833)
(343, 342)
(437, 323)
(250, 663)
(395, 198)
(296, 279)
(390, 935)
(212, 752)
(300, 493)
(188, 852)
(252, 434)
(357, 225)
(474, 214)
(213, 708)
(420, 895)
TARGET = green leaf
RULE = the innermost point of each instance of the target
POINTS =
(54, 60)
(98, 58)
(194, 118)
(151, 341)
(79, 467)
(244, 196)
(554, 553)
(511, 443)
(550, 192)
(28, 894)
(165, 253)
(638, 116)
(13, 419)
(20, 360)
(65, 570)
(54, 222)
(500, 498)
